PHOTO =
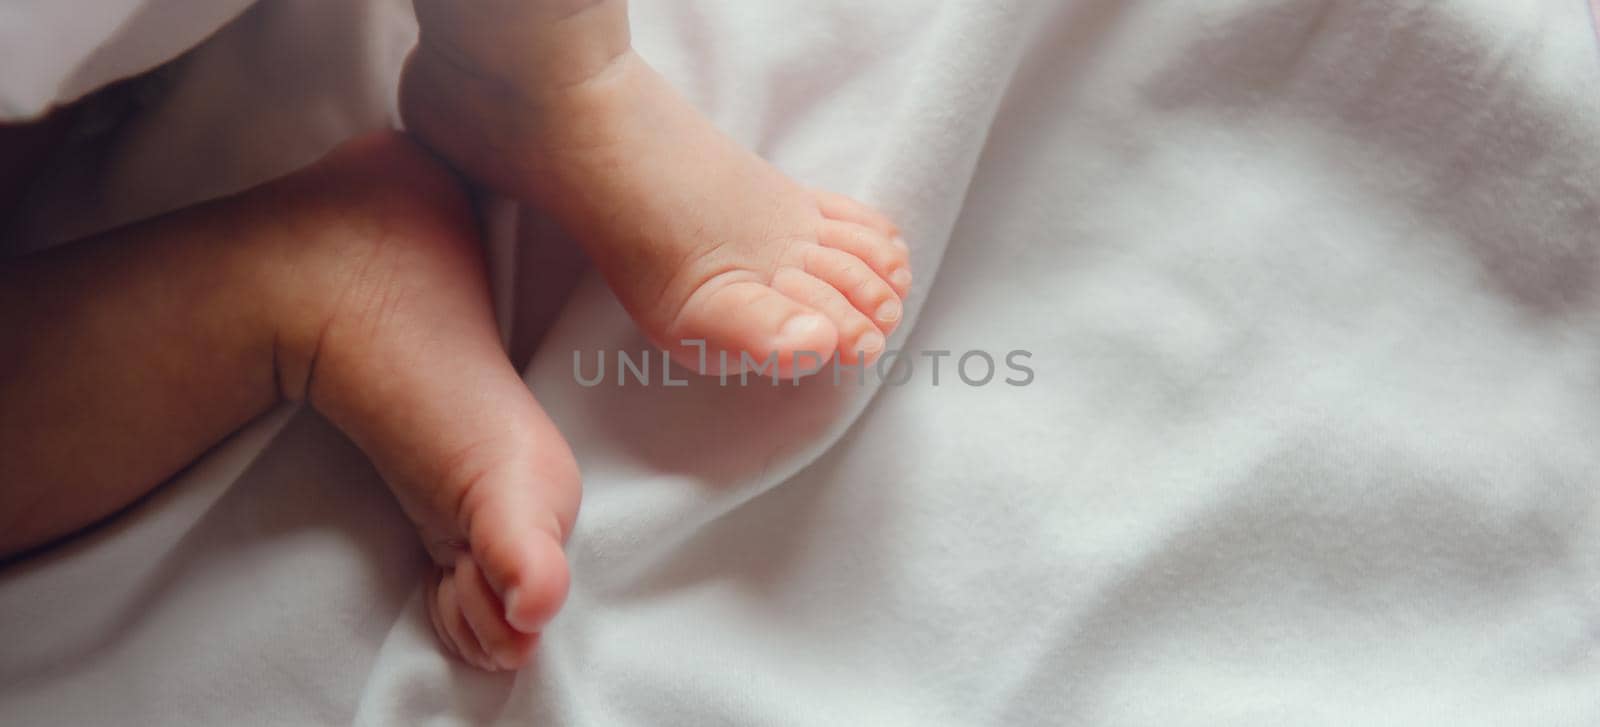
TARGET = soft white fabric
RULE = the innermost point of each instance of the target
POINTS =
(1313, 296)
(54, 52)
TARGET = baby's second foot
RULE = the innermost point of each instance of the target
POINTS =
(391, 336)
(701, 240)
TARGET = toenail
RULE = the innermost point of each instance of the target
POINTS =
(514, 599)
(802, 326)
(901, 243)
(901, 278)
(889, 312)
(870, 343)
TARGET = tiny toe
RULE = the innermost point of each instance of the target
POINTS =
(901, 279)
(506, 647)
(869, 293)
(747, 318)
(840, 207)
(432, 596)
(890, 261)
(448, 613)
(859, 338)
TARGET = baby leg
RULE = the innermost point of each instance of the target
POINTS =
(357, 284)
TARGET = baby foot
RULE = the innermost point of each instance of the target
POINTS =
(395, 343)
(701, 240)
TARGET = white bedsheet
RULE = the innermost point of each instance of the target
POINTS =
(1312, 291)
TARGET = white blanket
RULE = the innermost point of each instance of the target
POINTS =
(1312, 293)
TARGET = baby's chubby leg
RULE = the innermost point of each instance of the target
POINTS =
(357, 284)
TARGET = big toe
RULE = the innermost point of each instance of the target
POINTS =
(515, 535)
(748, 326)
(508, 506)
